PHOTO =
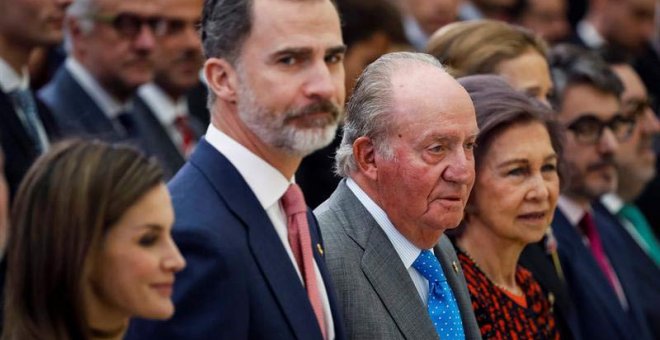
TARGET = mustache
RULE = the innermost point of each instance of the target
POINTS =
(607, 160)
(323, 105)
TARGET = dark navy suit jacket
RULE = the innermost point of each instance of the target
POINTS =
(156, 140)
(599, 311)
(19, 149)
(239, 282)
(79, 115)
(75, 111)
(646, 272)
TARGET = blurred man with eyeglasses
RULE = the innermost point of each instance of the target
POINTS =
(26, 127)
(636, 166)
(177, 66)
(587, 100)
(111, 45)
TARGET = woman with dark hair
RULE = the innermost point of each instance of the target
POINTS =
(90, 245)
(511, 205)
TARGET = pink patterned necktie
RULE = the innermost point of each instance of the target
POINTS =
(300, 240)
(596, 246)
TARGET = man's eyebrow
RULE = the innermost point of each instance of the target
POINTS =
(297, 51)
(301, 51)
(336, 49)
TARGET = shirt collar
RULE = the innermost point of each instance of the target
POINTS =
(571, 209)
(267, 183)
(468, 11)
(612, 202)
(407, 251)
(414, 33)
(165, 109)
(12, 81)
(590, 35)
(108, 104)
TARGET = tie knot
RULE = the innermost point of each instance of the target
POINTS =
(22, 98)
(587, 225)
(427, 265)
(630, 212)
(181, 120)
(293, 200)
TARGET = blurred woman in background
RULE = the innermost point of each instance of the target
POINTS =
(494, 47)
(511, 205)
(90, 245)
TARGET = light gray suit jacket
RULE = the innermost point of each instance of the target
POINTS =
(376, 293)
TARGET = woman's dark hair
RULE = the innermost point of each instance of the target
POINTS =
(498, 107)
(65, 205)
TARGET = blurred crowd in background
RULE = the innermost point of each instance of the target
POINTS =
(126, 71)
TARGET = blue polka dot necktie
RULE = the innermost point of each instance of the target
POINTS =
(442, 306)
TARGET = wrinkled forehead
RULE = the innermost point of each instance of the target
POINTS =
(181, 8)
(587, 100)
(141, 7)
(417, 85)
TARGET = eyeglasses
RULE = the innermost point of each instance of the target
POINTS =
(177, 26)
(588, 129)
(129, 25)
(635, 108)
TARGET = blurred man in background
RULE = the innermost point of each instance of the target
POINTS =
(178, 60)
(26, 128)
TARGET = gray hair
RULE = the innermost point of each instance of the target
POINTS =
(81, 10)
(368, 112)
(225, 26)
(571, 65)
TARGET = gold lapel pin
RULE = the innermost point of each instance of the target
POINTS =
(455, 266)
(318, 246)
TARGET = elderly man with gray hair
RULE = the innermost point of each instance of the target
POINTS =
(408, 167)
(111, 44)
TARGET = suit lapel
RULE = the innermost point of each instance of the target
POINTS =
(154, 137)
(446, 255)
(265, 245)
(583, 264)
(392, 283)
(87, 113)
(319, 256)
(383, 268)
(14, 125)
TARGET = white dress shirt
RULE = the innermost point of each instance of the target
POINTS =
(268, 185)
(407, 251)
(589, 35)
(414, 33)
(11, 81)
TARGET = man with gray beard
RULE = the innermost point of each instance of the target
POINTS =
(256, 266)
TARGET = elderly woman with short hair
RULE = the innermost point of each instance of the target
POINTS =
(511, 205)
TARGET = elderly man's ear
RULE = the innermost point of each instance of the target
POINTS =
(364, 152)
(222, 79)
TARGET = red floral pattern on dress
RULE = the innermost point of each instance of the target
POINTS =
(500, 317)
